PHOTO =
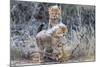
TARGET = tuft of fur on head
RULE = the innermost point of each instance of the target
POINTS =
(54, 7)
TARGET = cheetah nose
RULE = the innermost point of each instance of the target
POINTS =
(64, 35)
(54, 16)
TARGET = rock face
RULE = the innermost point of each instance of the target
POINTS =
(26, 17)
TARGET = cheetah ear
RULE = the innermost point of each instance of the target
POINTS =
(66, 29)
(49, 9)
(59, 8)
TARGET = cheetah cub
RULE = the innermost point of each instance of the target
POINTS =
(49, 38)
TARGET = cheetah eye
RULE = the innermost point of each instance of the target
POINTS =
(59, 46)
(63, 32)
